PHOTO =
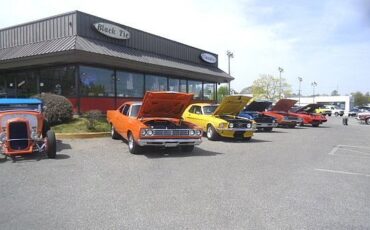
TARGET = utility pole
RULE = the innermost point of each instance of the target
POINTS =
(299, 90)
(229, 55)
(280, 70)
(313, 84)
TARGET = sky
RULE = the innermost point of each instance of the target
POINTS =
(322, 41)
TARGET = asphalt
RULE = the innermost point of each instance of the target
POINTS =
(303, 178)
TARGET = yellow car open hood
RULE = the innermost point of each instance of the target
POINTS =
(232, 105)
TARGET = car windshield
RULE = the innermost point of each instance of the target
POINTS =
(135, 110)
(7, 107)
(209, 109)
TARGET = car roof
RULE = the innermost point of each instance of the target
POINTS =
(14, 101)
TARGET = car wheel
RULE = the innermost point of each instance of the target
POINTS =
(336, 114)
(247, 138)
(187, 148)
(133, 147)
(51, 144)
(315, 124)
(211, 133)
(114, 133)
(267, 129)
(291, 125)
(367, 121)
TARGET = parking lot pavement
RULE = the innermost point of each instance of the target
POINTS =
(303, 178)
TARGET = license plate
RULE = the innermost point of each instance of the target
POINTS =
(171, 144)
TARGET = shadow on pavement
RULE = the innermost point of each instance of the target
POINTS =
(61, 146)
(176, 152)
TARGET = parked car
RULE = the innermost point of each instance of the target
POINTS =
(364, 117)
(280, 112)
(308, 115)
(336, 111)
(156, 121)
(323, 110)
(353, 112)
(24, 129)
(254, 111)
(222, 120)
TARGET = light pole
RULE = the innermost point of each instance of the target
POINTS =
(299, 90)
(313, 84)
(280, 70)
(229, 55)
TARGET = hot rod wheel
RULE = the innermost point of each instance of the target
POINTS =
(51, 145)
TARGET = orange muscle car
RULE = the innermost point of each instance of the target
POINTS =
(156, 121)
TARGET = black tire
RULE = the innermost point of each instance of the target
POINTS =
(367, 121)
(45, 128)
(133, 147)
(247, 138)
(336, 114)
(329, 114)
(315, 124)
(291, 126)
(211, 133)
(51, 144)
(114, 133)
(187, 148)
(301, 124)
(267, 129)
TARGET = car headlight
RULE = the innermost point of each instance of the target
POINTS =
(198, 132)
(143, 132)
(249, 125)
(231, 125)
(191, 132)
(149, 132)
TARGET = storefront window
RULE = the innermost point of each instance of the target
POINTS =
(183, 86)
(18, 84)
(174, 85)
(195, 87)
(130, 84)
(155, 83)
(96, 82)
(209, 91)
(59, 80)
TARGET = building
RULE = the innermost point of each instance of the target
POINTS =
(98, 64)
(343, 102)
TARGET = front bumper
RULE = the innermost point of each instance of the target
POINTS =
(231, 132)
(266, 125)
(168, 142)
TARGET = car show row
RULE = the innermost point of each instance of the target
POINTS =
(161, 119)
(169, 119)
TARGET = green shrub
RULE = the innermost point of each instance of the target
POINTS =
(58, 108)
(93, 117)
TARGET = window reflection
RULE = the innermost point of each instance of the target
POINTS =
(59, 80)
(130, 84)
(209, 91)
(174, 85)
(96, 82)
(155, 83)
(195, 87)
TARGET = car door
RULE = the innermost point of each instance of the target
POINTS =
(193, 115)
(122, 122)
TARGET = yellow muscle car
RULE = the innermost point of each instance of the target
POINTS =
(222, 120)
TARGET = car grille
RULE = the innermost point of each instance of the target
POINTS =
(171, 132)
(241, 125)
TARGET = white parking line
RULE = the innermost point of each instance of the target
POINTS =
(343, 172)
(346, 147)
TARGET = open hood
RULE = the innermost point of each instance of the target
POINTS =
(258, 106)
(284, 105)
(310, 108)
(232, 105)
(164, 104)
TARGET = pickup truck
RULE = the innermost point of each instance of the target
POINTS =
(156, 121)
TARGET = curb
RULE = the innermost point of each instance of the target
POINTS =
(81, 135)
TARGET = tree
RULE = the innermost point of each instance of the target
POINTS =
(268, 86)
(360, 99)
(247, 90)
(222, 91)
(335, 93)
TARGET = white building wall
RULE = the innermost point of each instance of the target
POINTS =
(347, 100)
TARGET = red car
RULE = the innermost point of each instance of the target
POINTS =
(280, 112)
(308, 115)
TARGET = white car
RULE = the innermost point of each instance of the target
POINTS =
(335, 110)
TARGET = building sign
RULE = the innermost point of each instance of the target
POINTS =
(207, 57)
(112, 31)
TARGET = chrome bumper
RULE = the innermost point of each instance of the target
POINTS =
(236, 129)
(168, 142)
(266, 125)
